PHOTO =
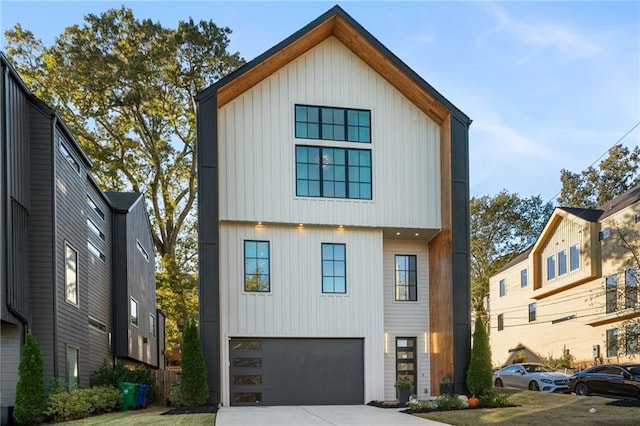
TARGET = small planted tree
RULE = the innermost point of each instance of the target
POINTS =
(31, 401)
(480, 375)
(193, 382)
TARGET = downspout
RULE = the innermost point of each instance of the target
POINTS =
(5, 198)
(54, 238)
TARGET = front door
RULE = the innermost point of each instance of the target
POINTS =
(406, 368)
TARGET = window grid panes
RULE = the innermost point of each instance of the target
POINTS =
(574, 257)
(334, 268)
(562, 262)
(406, 277)
(256, 267)
(503, 288)
(71, 274)
(532, 312)
(333, 172)
(337, 124)
(523, 278)
(551, 267)
(612, 342)
(611, 293)
(630, 288)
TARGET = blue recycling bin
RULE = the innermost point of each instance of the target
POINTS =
(142, 396)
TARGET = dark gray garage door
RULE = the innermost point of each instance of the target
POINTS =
(296, 371)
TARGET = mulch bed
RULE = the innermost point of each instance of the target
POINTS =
(625, 403)
(202, 409)
(387, 404)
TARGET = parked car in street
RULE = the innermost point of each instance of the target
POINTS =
(535, 377)
(607, 379)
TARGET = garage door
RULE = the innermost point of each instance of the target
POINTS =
(296, 371)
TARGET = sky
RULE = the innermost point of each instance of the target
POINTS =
(548, 85)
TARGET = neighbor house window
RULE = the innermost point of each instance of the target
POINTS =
(133, 315)
(532, 312)
(606, 233)
(256, 266)
(523, 278)
(142, 251)
(612, 342)
(630, 288)
(70, 159)
(574, 257)
(336, 124)
(405, 277)
(334, 268)
(94, 228)
(500, 322)
(611, 293)
(631, 339)
(97, 325)
(72, 367)
(503, 288)
(95, 251)
(562, 262)
(93, 206)
(551, 267)
(333, 172)
(71, 274)
(152, 325)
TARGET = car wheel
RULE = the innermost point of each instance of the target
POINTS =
(582, 389)
(498, 383)
(533, 386)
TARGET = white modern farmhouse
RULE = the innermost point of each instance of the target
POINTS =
(333, 225)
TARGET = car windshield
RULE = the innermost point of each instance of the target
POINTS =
(533, 368)
(634, 369)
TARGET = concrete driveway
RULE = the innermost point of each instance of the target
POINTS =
(317, 415)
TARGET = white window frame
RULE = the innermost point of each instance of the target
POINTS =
(134, 319)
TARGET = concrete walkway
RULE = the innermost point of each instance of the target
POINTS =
(318, 415)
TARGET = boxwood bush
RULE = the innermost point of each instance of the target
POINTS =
(81, 403)
(109, 375)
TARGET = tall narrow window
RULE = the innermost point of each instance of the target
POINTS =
(152, 325)
(503, 288)
(562, 262)
(71, 274)
(611, 293)
(133, 314)
(406, 277)
(532, 312)
(523, 278)
(574, 257)
(551, 268)
(334, 268)
(500, 322)
(631, 339)
(612, 343)
(256, 266)
(72, 367)
(630, 288)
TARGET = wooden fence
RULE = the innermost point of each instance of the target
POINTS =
(165, 379)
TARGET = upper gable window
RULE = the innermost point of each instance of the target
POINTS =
(334, 124)
(70, 158)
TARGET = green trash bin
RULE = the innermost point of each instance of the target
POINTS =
(129, 392)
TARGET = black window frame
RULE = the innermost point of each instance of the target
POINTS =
(612, 342)
(257, 275)
(341, 120)
(134, 320)
(328, 172)
(630, 287)
(68, 156)
(500, 322)
(611, 293)
(411, 285)
(333, 261)
(631, 339)
(532, 312)
(68, 285)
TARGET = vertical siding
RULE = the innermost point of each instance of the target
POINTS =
(257, 147)
(17, 128)
(121, 253)
(296, 306)
(569, 231)
(41, 243)
(406, 319)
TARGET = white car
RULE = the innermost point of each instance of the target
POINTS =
(535, 377)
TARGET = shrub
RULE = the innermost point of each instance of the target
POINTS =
(80, 403)
(449, 402)
(193, 381)
(495, 400)
(31, 402)
(565, 361)
(480, 374)
(421, 406)
(175, 398)
(111, 375)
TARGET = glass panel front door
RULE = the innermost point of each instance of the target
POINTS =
(406, 368)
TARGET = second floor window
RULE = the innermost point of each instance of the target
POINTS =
(551, 268)
(523, 278)
(500, 322)
(71, 274)
(334, 268)
(630, 288)
(503, 288)
(574, 257)
(562, 262)
(133, 314)
(256, 266)
(406, 277)
(611, 293)
(532, 312)
(336, 124)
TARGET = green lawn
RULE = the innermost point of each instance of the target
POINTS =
(149, 416)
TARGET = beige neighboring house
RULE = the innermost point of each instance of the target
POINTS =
(575, 289)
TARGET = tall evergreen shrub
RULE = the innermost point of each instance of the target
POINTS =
(31, 401)
(193, 381)
(480, 374)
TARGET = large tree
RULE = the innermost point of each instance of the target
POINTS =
(125, 87)
(595, 186)
(502, 226)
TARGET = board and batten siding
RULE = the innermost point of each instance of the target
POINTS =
(296, 306)
(257, 147)
(406, 318)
